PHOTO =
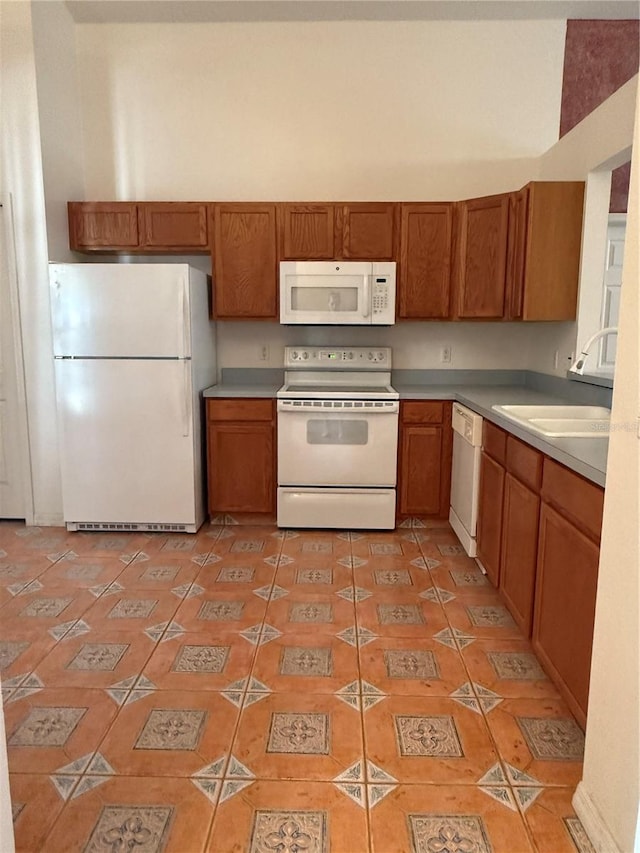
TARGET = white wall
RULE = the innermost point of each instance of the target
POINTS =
(610, 788)
(59, 112)
(600, 141)
(349, 110)
(337, 110)
(22, 177)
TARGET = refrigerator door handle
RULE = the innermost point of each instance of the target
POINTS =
(186, 385)
(185, 319)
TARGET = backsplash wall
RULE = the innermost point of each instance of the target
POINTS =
(415, 345)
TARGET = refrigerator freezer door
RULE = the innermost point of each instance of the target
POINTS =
(126, 441)
(120, 310)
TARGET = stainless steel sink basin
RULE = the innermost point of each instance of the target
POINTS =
(560, 421)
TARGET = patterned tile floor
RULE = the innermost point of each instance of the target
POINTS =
(249, 689)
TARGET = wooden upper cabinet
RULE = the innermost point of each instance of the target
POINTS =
(482, 257)
(244, 260)
(307, 232)
(366, 232)
(360, 231)
(552, 252)
(102, 225)
(172, 226)
(516, 253)
(424, 284)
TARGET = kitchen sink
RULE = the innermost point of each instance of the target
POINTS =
(560, 421)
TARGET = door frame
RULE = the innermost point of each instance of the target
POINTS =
(7, 224)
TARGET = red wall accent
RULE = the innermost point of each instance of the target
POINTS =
(620, 188)
(599, 57)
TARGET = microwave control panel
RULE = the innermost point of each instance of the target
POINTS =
(380, 294)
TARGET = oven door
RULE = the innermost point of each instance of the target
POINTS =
(337, 442)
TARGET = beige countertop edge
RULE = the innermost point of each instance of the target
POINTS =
(585, 456)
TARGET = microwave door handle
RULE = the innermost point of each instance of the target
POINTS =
(366, 308)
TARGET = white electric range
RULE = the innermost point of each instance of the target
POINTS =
(337, 439)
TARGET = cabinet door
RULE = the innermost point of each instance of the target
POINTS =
(564, 610)
(521, 509)
(307, 232)
(173, 226)
(424, 285)
(102, 225)
(241, 466)
(424, 458)
(368, 231)
(245, 261)
(554, 239)
(420, 470)
(482, 257)
(516, 254)
(490, 500)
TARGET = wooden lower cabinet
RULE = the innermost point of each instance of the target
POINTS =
(566, 583)
(490, 502)
(519, 550)
(241, 455)
(424, 458)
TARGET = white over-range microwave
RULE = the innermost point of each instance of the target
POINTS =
(350, 293)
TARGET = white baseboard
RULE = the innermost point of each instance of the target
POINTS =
(46, 519)
(594, 825)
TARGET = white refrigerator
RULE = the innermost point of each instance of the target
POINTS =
(133, 348)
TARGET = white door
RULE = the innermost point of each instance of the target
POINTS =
(126, 441)
(120, 310)
(12, 502)
(611, 293)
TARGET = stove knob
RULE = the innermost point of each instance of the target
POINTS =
(370, 356)
(305, 355)
(350, 356)
(380, 356)
(294, 355)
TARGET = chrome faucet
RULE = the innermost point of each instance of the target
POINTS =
(578, 364)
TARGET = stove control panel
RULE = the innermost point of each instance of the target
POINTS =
(327, 358)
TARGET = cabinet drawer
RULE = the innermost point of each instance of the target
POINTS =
(573, 497)
(422, 412)
(239, 409)
(494, 442)
(524, 463)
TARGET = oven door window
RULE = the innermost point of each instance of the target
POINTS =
(340, 432)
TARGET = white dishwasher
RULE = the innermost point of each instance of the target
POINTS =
(465, 475)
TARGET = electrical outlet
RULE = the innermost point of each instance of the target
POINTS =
(263, 352)
(445, 354)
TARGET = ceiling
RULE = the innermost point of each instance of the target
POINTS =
(202, 11)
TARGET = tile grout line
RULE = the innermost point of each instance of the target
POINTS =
(244, 691)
